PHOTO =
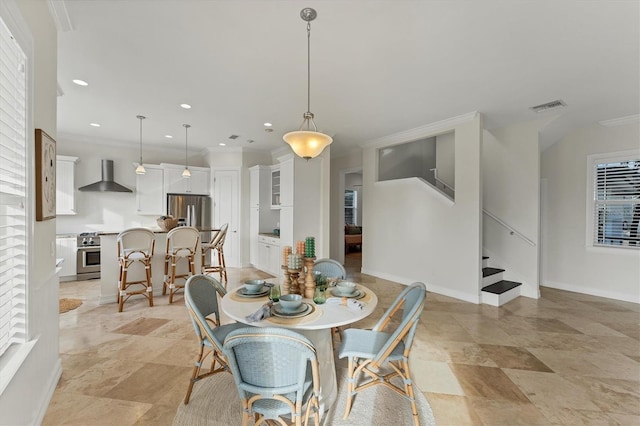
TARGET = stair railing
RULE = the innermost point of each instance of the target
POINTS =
(512, 231)
(445, 184)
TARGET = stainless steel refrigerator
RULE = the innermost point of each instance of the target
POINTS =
(190, 210)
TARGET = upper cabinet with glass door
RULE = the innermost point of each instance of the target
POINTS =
(275, 187)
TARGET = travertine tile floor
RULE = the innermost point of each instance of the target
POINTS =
(565, 359)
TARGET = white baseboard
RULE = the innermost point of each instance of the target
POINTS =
(625, 297)
(434, 288)
(56, 372)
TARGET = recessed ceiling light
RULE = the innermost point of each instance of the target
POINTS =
(168, 136)
(222, 144)
(268, 124)
(95, 125)
(185, 106)
(80, 82)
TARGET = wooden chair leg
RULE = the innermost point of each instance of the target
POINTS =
(123, 286)
(350, 386)
(147, 268)
(196, 371)
(408, 388)
(172, 279)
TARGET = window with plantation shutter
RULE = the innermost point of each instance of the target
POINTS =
(13, 191)
(616, 201)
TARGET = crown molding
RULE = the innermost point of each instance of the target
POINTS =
(622, 121)
(60, 15)
(421, 132)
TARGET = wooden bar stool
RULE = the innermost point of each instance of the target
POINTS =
(216, 245)
(135, 245)
(182, 243)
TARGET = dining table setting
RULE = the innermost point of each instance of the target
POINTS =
(334, 304)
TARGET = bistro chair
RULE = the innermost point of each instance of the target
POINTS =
(216, 245)
(135, 246)
(201, 298)
(368, 350)
(276, 373)
(330, 268)
(182, 243)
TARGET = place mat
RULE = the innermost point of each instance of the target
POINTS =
(237, 298)
(366, 298)
(67, 305)
(316, 312)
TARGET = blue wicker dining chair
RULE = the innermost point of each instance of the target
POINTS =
(201, 298)
(330, 268)
(368, 350)
(276, 373)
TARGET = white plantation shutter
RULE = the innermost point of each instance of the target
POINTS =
(616, 195)
(13, 191)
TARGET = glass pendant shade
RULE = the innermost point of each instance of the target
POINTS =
(140, 170)
(307, 144)
(186, 173)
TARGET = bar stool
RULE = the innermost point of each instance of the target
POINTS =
(216, 244)
(182, 243)
(135, 245)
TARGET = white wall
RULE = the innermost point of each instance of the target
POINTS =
(511, 179)
(414, 233)
(567, 261)
(25, 399)
(445, 158)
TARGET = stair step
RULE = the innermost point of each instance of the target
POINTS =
(485, 257)
(501, 286)
(486, 272)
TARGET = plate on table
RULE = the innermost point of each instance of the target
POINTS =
(358, 294)
(242, 292)
(304, 309)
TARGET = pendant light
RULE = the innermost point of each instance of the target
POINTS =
(140, 169)
(305, 142)
(186, 173)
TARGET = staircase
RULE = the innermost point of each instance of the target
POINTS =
(495, 290)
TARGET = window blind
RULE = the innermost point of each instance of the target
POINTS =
(617, 203)
(13, 191)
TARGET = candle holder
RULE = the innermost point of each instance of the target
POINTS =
(294, 286)
(286, 281)
(309, 282)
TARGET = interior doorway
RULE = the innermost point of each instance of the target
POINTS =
(351, 230)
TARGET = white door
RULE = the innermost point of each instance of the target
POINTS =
(226, 209)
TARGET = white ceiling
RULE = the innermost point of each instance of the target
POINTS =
(377, 67)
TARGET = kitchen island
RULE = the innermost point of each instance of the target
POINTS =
(109, 266)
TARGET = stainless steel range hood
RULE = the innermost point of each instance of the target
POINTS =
(106, 184)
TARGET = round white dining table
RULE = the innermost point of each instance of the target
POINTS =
(316, 328)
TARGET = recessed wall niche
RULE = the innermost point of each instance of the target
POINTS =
(431, 159)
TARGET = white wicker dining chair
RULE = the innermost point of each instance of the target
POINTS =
(201, 298)
(276, 373)
(369, 350)
(216, 246)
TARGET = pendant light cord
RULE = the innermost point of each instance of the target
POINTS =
(308, 66)
(140, 141)
(186, 147)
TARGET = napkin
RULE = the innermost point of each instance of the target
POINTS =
(260, 314)
(351, 303)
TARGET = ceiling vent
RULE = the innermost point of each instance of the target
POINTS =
(549, 106)
(234, 137)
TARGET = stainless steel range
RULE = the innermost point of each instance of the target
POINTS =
(88, 257)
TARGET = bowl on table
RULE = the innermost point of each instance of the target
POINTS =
(290, 302)
(253, 286)
(345, 288)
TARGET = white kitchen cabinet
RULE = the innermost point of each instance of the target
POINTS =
(174, 183)
(269, 254)
(65, 185)
(304, 201)
(150, 191)
(262, 220)
(66, 248)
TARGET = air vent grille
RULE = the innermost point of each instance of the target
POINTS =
(234, 137)
(559, 103)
